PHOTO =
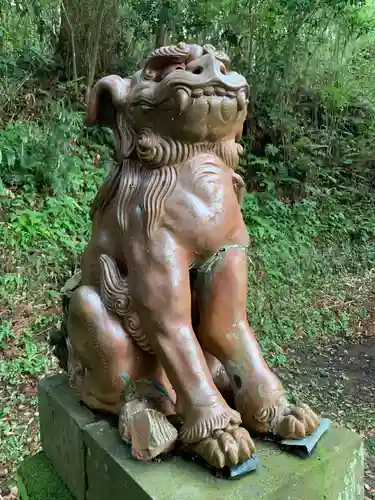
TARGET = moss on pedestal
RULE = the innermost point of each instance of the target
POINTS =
(38, 480)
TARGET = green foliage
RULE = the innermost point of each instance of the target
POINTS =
(48, 232)
(306, 262)
(321, 135)
(309, 145)
(44, 227)
(370, 446)
(47, 148)
(45, 156)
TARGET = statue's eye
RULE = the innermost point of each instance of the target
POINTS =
(173, 67)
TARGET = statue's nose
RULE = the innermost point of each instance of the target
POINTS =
(208, 67)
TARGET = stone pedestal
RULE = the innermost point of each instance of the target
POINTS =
(95, 464)
(62, 420)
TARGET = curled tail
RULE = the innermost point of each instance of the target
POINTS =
(115, 295)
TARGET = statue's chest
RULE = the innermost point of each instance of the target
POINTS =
(203, 187)
(204, 203)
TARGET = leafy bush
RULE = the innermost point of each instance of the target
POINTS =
(315, 129)
(306, 262)
(49, 156)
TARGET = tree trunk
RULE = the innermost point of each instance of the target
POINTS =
(162, 35)
(72, 47)
(64, 44)
(94, 58)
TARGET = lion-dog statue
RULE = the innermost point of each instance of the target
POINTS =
(157, 330)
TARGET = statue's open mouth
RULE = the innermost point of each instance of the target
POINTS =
(213, 95)
(227, 101)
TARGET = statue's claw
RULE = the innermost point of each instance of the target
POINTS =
(275, 415)
(226, 447)
(299, 421)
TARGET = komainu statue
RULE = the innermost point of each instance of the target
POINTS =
(156, 330)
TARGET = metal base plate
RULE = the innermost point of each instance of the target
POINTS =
(239, 470)
(305, 446)
(236, 472)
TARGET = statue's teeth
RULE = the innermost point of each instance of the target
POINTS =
(197, 93)
(241, 99)
(183, 99)
(208, 91)
(227, 109)
(220, 91)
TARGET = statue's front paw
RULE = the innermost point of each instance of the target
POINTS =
(229, 447)
(298, 422)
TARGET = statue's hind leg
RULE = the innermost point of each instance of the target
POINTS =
(225, 332)
(100, 352)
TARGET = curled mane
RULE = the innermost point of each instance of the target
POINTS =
(125, 149)
(147, 175)
(135, 184)
(107, 190)
(147, 189)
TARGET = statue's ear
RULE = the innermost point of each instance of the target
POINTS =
(106, 99)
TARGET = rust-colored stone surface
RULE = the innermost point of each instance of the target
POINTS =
(156, 329)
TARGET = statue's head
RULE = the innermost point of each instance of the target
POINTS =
(184, 92)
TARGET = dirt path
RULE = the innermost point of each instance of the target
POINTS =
(338, 379)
